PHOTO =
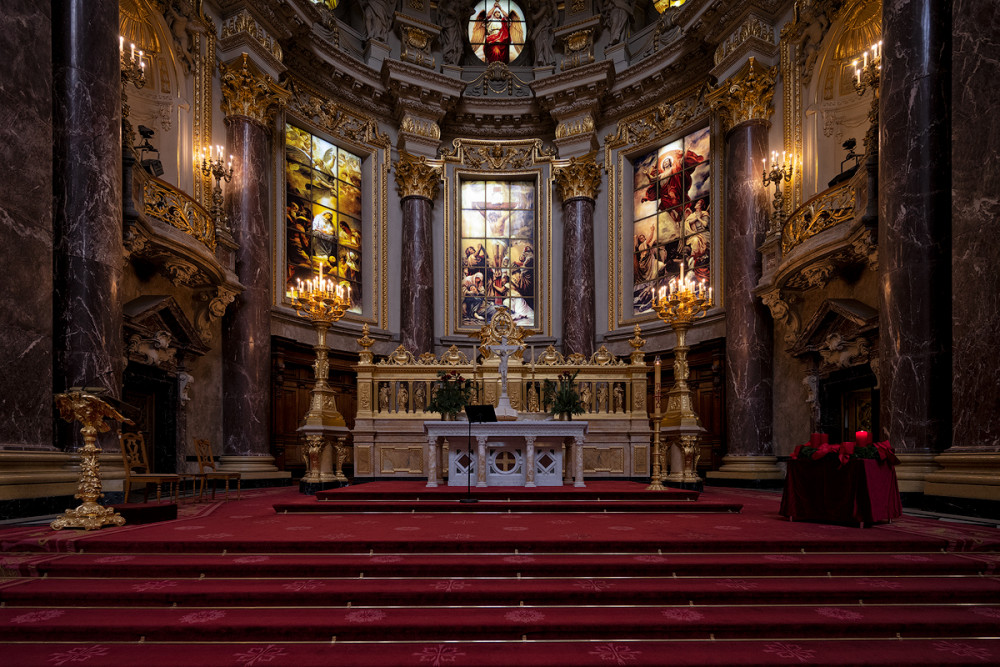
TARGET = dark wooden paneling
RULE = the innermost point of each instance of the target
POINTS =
(292, 378)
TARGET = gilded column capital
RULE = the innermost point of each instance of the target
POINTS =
(416, 177)
(580, 178)
(745, 96)
(248, 92)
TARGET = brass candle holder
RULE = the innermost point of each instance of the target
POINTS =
(133, 70)
(679, 305)
(775, 174)
(212, 164)
(86, 408)
(866, 77)
(323, 302)
(656, 479)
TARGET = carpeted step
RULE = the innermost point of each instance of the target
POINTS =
(504, 505)
(495, 565)
(490, 591)
(646, 653)
(418, 490)
(497, 623)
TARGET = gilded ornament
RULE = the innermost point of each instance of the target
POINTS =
(366, 341)
(580, 178)
(637, 342)
(335, 118)
(167, 204)
(416, 46)
(578, 48)
(497, 79)
(745, 96)
(752, 28)
(420, 126)
(822, 212)
(243, 23)
(415, 177)
(663, 119)
(573, 128)
(249, 93)
(500, 327)
(498, 155)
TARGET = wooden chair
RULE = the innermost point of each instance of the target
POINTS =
(207, 471)
(137, 469)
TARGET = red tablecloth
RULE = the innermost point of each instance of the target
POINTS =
(860, 491)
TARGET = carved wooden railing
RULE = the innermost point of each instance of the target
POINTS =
(825, 210)
(167, 204)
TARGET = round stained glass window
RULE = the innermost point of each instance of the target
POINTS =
(497, 30)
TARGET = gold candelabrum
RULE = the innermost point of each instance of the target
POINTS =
(85, 407)
(679, 304)
(775, 173)
(322, 301)
(656, 480)
(133, 69)
(866, 77)
(213, 164)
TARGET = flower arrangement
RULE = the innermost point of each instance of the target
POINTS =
(563, 398)
(861, 447)
(451, 394)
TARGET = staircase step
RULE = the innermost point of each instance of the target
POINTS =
(504, 623)
(504, 505)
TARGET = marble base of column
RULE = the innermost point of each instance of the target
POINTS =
(416, 315)
(747, 469)
(252, 467)
(913, 469)
(578, 276)
(974, 475)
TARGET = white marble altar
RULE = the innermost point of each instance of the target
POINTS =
(517, 438)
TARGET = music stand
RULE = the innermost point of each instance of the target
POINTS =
(479, 414)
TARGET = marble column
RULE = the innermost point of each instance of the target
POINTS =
(249, 102)
(744, 105)
(915, 227)
(418, 183)
(26, 225)
(87, 196)
(971, 467)
(577, 184)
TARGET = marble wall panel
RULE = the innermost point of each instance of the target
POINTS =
(975, 247)
(416, 310)
(578, 276)
(87, 195)
(749, 345)
(246, 331)
(914, 225)
(26, 405)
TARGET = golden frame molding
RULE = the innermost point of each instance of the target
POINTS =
(500, 160)
(633, 135)
(310, 109)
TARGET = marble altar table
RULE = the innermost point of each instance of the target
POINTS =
(497, 436)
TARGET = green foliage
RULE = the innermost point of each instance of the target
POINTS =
(451, 393)
(562, 398)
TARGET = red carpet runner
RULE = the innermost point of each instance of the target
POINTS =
(235, 583)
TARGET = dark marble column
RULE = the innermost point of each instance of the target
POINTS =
(87, 194)
(250, 100)
(577, 184)
(246, 327)
(418, 183)
(578, 276)
(748, 329)
(416, 310)
(975, 244)
(914, 225)
(26, 225)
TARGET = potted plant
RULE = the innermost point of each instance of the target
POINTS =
(451, 394)
(562, 398)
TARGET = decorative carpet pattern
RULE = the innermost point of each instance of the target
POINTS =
(511, 583)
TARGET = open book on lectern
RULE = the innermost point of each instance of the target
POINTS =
(479, 414)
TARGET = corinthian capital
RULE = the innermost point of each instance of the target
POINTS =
(415, 177)
(580, 178)
(745, 96)
(248, 92)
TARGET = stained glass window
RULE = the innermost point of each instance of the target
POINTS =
(498, 250)
(671, 213)
(322, 212)
(497, 31)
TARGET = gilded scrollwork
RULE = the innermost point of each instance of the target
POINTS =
(580, 178)
(498, 155)
(745, 96)
(583, 125)
(497, 79)
(420, 126)
(242, 23)
(823, 211)
(753, 27)
(416, 45)
(167, 204)
(660, 120)
(334, 118)
(248, 92)
(416, 177)
(399, 357)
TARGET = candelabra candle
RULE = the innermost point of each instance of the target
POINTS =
(866, 77)
(133, 67)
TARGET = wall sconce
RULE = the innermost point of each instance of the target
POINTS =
(867, 76)
(212, 163)
(776, 173)
(133, 70)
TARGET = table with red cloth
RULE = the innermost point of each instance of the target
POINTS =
(862, 491)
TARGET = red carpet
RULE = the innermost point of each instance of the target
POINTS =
(235, 583)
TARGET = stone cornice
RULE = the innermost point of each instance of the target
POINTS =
(567, 88)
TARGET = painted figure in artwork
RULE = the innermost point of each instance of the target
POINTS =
(497, 30)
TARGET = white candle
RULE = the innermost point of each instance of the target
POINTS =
(121, 45)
